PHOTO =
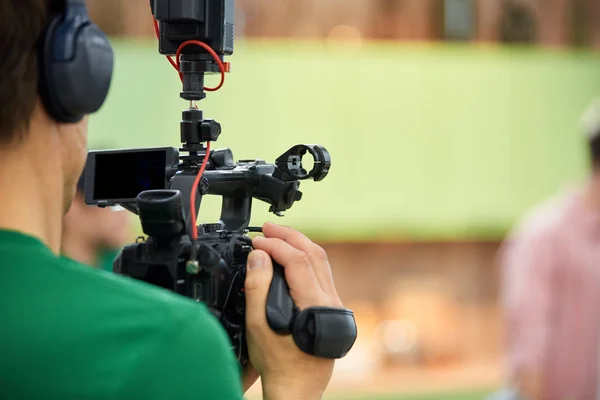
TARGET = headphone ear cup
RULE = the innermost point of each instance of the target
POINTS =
(47, 86)
(79, 86)
(84, 82)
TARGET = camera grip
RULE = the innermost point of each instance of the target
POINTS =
(281, 309)
(324, 332)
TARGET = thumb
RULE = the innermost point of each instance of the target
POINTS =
(259, 273)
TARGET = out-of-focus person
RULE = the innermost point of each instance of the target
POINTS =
(93, 235)
(550, 267)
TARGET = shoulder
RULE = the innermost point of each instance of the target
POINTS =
(529, 253)
(118, 301)
(545, 220)
(536, 236)
(190, 349)
(144, 297)
(176, 337)
(137, 329)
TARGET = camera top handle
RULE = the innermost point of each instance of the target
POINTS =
(276, 184)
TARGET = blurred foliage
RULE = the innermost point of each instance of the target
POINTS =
(427, 142)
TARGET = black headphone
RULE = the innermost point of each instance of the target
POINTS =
(76, 64)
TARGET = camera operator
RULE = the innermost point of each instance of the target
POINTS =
(74, 332)
(93, 235)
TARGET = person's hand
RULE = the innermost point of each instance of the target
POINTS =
(287, 372)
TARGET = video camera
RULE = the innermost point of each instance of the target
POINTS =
(165, 186)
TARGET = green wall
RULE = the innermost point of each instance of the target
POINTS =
(427, 142)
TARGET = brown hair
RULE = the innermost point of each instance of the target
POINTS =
(590, 122)
(21, 24)
(594, 149)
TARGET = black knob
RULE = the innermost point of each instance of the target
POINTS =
(190, 125)
(210, 130)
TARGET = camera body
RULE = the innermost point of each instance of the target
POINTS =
(207, 263)
(211, 269)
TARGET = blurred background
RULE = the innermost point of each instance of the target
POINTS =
(446, 121)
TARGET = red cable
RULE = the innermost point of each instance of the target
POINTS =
(206, 47)
(206, 156)
(212, 53)
(193, 194)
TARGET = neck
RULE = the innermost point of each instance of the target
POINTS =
(32, 192)
(79, 249)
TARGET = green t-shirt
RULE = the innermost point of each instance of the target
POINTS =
(106, 259)
(68, 331)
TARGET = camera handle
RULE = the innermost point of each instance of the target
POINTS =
(276, 184)
(324, 332)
